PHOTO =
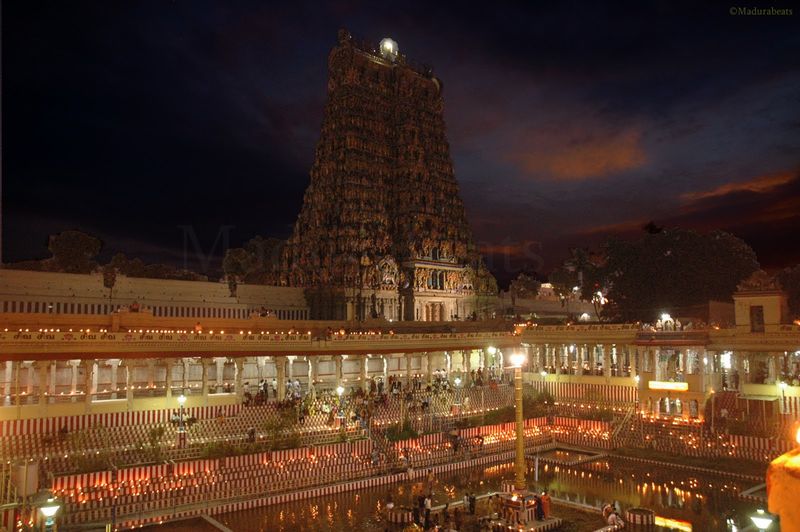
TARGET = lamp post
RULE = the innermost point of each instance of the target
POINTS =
(762, 519)
(713, 394)
(339, 392)
(49, 511)
(181, 426)
(517, 360)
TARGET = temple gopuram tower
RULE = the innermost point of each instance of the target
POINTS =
(382, 231)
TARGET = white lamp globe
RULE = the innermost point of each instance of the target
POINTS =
(50, 509)
(389, 49)
(762, 520)
(517, 359)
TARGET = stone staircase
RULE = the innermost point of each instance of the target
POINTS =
(625, 425)
(384, 448)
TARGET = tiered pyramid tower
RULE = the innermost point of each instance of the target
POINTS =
(382, 231)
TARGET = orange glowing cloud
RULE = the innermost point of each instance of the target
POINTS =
(758, 185)
(503, 249)
(579, 157)
(629, 226)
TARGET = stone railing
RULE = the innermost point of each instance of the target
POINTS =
(587, 327)
(55, 342)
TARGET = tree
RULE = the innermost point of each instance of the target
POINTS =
(74, 252)
(236, 264)
(137, 268)
(258, 262)
(651, 228)
(563, 281)
(582, 270)
(120, 263)
(672, 270)
(281, 425)
(265, 257)
(109, 279)
(789, 279)
(523, 287)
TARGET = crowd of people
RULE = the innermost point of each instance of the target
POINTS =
(454, 517)
(611, 515)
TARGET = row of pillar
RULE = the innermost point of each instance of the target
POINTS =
(40, 377)
(560, 357)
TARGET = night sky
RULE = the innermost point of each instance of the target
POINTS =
(568, 122)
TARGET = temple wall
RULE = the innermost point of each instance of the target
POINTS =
(64, 293)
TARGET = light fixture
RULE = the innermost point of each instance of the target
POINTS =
(389, 49)
(339, 390)
(762, 519)
(517, 359)
(181, 399)
(665, 316)
(668, 385)
(491, 350)
(457, 381)
(50, 509)
(543, 374)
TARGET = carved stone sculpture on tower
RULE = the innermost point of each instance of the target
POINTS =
(383, 194)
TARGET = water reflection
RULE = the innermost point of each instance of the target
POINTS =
(704, 500)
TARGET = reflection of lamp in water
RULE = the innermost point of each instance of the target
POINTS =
(517, 360)
(762, 519)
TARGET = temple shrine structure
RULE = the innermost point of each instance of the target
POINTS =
(382, 231)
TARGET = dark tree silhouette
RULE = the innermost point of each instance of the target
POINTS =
(673, 269)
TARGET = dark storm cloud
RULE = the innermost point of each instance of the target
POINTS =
(568, 121)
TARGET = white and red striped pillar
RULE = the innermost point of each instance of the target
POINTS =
(88, 367)
(42, 382)
(633, 360)
(206, 366)
(169, 363)
(280, 376)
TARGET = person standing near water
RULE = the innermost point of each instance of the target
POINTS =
(389, 501)
(546, 504)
